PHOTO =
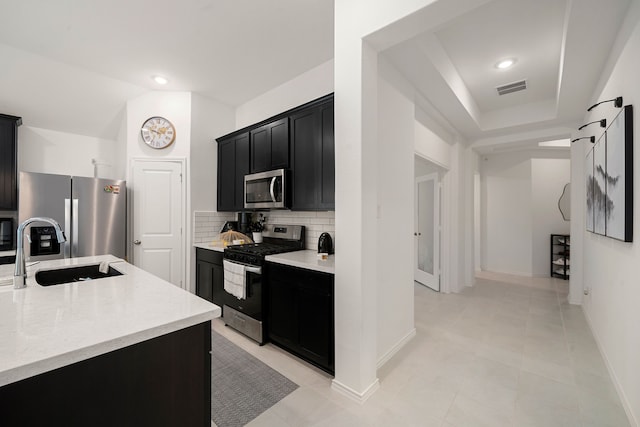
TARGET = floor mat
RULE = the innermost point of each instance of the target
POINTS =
(242, 387)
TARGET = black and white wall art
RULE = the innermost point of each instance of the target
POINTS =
(619, 181)
(588, 167)
(609, 180)
(599, 186)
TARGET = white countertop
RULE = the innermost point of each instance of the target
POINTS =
(304, 259)
(8, 253)
(44, 328)
(217, 248)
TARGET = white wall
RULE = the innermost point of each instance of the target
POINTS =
(49, 151)
(395, 212)
(431, 147)
(611, 268)
(506, 214)
(548, 178)
(176, 107)
(519, 209)
(209, 120)
(308, 86)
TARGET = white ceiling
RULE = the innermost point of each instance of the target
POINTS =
(561, 48)
(229, 50)
(71, 65)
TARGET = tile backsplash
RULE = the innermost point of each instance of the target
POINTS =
(207, 224)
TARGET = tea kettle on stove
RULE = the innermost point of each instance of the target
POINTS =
(325, 244)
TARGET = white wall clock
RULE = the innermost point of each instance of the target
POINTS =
(158, 132)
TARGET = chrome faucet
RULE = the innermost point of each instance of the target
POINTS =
(20, 274)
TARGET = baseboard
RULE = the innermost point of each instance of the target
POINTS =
(396, 348)
(575, 301)
(612, 374)
(354, 395)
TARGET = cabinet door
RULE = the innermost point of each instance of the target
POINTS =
(260, 149)
(270, 146)
(242, 169)
(226, 175)
(327, 157)
(280, 144)
(8, 160)
(204, 280)
(233, 165)
(218, 294)
(282, 311)
(315, 301)
(305, 139)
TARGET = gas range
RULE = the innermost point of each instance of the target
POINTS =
(276, 239)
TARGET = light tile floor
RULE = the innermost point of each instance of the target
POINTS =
(508, 352)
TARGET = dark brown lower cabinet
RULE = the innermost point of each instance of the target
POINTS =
(300, 313)
(164, 381)
(210, 276)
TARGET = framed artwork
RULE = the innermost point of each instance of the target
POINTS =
(588, 167)
(599, 186)
(619, 176)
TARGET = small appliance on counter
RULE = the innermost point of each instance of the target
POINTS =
(325, 244)
(244, 222)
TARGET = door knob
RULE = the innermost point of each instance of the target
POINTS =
(136, 242)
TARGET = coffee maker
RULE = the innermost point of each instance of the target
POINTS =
(244, 222)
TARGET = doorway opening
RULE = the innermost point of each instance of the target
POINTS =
(427, 223)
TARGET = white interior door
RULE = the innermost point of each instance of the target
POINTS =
(427, 231)
(158, 216)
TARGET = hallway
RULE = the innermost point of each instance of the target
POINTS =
(508, 352)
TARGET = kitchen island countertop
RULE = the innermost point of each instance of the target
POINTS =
(304, 259)
(45, 328)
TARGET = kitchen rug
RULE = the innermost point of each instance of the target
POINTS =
(242, 387)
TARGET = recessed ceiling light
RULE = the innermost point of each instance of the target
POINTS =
(505, 63)
(160, 80)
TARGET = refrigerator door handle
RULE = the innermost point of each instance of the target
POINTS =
(74, 229)
(67, 227)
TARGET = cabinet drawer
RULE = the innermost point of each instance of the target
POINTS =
(207, 255)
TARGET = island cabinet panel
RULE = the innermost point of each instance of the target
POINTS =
(164, 381)
(8, 162)
(210, 276)
(300, 313)
(270, 146)
(233, 165)
(313, 158)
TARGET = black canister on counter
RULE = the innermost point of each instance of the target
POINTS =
(325, 244)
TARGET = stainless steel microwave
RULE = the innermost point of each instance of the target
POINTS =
(266, 190)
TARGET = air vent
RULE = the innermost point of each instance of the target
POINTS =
(512, 87)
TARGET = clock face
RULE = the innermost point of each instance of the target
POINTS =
(158, 132)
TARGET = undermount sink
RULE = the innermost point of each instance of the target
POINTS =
(73, 274)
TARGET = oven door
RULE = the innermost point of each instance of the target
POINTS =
(265, 190)
(245, 315)
(252, 304)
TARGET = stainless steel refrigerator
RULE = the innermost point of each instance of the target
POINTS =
(91, 211)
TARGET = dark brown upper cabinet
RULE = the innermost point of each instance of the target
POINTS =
(270, 146)
(9, 162)
(313, 159)
(301, 140)
(233, 165)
